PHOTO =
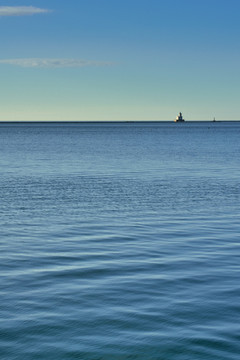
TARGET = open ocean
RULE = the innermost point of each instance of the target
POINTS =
(120, 241)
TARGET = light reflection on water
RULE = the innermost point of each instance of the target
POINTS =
(119, 241)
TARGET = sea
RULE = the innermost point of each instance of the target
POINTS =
(120, 241)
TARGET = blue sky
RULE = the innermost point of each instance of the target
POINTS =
(119, 60)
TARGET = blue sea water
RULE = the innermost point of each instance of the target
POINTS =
(120, 241)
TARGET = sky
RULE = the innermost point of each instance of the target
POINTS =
(83, 60)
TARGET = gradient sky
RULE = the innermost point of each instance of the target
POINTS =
(119, 59)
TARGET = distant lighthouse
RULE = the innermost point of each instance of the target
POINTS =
(179, 118)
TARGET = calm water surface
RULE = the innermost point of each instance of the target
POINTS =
(120, 241)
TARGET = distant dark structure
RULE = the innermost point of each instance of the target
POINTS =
(179, 118)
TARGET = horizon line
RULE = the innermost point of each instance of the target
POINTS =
(110, 121)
